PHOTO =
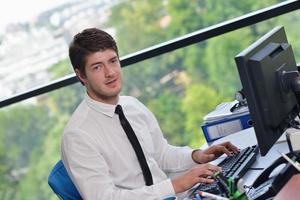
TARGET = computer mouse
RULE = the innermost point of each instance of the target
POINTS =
(277, 170)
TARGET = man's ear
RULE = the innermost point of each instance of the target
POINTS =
(80, 76)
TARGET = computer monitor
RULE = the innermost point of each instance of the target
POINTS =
(271, 84)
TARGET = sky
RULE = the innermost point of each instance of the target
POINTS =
(23, 10)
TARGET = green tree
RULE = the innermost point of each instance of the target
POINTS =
(21, 134)
(67, 99)
(198, 101)
(34, 185)
(219, 61)
(137, 27)
(168, 111)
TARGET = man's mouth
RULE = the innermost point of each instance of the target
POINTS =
(111, 81)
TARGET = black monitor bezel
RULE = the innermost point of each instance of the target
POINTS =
(266, 136)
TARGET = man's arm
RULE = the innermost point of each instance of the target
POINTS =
(91, 175)
(213, 152)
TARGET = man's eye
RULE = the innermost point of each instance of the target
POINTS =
(97, 67)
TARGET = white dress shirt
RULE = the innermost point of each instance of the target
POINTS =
(101, 161)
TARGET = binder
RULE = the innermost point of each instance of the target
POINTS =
(215, 130)
(224, 121)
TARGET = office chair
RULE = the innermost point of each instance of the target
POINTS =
(61, 183)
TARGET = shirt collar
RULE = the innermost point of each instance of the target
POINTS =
(106, 109)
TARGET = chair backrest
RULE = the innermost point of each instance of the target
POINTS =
(61, 183)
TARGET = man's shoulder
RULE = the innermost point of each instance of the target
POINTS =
(133, 104)
(78, 116)
(129, 100)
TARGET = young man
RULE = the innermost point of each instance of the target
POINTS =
(96, 151)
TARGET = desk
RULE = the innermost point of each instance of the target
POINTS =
(243, 139)
(291, 190)
(246, 138)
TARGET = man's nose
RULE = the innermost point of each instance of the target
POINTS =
(108, 71)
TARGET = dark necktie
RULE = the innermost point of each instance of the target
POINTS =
(136, 145)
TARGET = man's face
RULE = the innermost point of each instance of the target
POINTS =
(103, 76)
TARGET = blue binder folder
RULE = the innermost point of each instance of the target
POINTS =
(227, 118)
(217, 129)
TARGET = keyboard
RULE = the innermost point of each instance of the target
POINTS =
(233, 166)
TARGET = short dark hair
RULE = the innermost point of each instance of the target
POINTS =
(89, 41)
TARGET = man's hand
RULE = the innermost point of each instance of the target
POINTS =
(201, 173)
(213, 152)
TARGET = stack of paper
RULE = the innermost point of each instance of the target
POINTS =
(226, 110)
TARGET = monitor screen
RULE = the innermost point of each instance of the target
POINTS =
(267, 69)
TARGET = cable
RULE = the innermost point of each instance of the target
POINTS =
(256, 168)
(249, 188)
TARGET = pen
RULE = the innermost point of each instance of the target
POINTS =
(198, 197)
(294, 163)
(216, 197)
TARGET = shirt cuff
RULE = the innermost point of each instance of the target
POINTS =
(164, 189)
(188, 160)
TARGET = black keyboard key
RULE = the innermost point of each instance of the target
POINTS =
(245, 165)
